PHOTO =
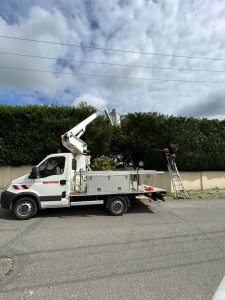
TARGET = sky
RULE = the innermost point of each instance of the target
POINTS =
(164, 56)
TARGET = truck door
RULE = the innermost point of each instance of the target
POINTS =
(51, 184)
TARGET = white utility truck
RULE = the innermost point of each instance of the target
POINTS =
(65, 179)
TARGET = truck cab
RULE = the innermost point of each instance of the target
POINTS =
(48, 185)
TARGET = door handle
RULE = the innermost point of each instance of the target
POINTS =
(62, 182)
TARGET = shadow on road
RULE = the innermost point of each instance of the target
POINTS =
(6, 214)
(136, 207)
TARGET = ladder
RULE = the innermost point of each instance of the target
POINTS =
(178, 186)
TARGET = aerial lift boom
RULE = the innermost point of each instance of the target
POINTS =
(71, 139)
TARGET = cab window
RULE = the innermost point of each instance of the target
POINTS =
(52, 166)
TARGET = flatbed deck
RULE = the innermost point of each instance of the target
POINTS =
(140, 190)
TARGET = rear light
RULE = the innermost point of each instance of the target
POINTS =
(150, 197)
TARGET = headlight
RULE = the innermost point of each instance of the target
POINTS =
(7, 186)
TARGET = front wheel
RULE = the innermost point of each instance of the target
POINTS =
(25, 208)
(117, 206)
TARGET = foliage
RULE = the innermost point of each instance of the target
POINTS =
(199, 141)
(29, 133)
(102, 163)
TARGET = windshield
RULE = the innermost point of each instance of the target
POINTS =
(52, 166)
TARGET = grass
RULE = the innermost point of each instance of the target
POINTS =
(10, 270)
(202, 194)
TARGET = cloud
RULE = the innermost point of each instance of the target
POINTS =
(211, 107)
(184, 28)
(40, 25)
(94, 100)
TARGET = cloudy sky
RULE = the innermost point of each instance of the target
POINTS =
(136, 55)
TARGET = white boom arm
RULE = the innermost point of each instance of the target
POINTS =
(71, 139)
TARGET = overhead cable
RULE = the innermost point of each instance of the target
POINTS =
(112, 76)
(109, 49)
(110, 64)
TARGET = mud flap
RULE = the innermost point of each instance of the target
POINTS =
(156, 196)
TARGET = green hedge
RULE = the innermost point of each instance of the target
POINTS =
(29, 133)
(200, 142)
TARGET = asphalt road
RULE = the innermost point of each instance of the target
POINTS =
(172, 250)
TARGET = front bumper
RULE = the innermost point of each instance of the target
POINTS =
(6, 199)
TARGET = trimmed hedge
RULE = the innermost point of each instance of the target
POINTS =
(29, 133)
(200, 142)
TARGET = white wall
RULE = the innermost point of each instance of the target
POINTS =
(191, 180)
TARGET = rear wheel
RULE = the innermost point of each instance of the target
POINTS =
(117, 206)
(25, 208)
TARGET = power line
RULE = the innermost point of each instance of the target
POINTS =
(111, 76)
(110, 64)
(109, 49)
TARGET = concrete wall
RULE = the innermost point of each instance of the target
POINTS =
(213, 180)
(191, 180)
(7, 174)
(160, 180)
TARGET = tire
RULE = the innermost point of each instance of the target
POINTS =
(25, 208)
(117, 206)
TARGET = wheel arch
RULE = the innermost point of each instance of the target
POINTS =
(107, 200)
(29, 195)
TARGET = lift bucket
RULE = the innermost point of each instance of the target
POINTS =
(114, 118)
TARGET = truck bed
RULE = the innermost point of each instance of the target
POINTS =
(98, 183)
(141, 190)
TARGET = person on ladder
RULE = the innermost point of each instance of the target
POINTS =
(171, 149)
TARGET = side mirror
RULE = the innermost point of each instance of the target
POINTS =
(34, 173)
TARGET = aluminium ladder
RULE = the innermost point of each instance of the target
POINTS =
(178, 186)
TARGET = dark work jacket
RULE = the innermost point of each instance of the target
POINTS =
(172, 149)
